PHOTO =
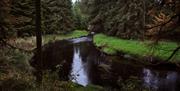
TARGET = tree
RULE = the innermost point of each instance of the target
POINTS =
(165, 20)
(23, 17)
(80, 19)
(4, 21)
(38, 35)
(57, 16)
(166, 23)
(121, 18)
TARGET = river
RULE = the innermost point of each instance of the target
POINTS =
(88, 65)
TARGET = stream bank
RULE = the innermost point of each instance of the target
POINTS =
(85, 65)
(138, 50)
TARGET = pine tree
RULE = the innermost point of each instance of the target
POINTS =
(122, 18)
(4, 19)
(38, 36)
(23, 17)
(57, 16)
(80, 19)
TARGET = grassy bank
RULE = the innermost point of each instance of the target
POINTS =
(74, 34)
(29, 43)
(112, 45)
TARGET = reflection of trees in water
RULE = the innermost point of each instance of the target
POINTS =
(92, 59)
(89, 56)
(54, 54)
(78, 73)
(161, 80)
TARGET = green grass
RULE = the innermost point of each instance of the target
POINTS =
(141, 49)
(74, 34)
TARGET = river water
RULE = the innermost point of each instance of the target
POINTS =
(90, 66)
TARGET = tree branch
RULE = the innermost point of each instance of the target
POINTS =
(175, 16)
(174, 52)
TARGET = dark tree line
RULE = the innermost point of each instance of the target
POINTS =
(18, 17)
(80, 19)
(134, 19)
(121, 18)
(57, 16)
(4, 13)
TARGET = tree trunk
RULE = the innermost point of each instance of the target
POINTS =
(38, 34)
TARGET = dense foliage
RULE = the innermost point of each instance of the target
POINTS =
(4, 21)
(18, 17)
(80, 19)
(123, 18)
(57, 16)
(22, 17)
(130, 18)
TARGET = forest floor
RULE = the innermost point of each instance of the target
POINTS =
(140, 49)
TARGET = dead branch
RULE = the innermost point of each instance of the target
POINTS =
(174, 52)
(161, 25)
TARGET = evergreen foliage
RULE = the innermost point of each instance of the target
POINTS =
(80, 19)
(18, 16)
(23, 17)
(4, 21)
(57, 16)
(128, 18)
(122, 18)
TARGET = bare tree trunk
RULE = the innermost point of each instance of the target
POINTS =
(38, 34)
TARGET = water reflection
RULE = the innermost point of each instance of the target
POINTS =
(90, 66)
(82, 63)
(82, 39)
(78, 73)
(161, 80)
